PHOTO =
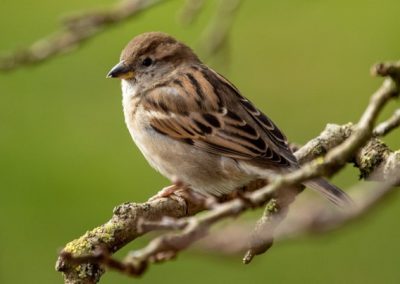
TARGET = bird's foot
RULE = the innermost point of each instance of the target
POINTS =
(183, 193)
(169, 190)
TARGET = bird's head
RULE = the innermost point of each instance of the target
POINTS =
(150, 56)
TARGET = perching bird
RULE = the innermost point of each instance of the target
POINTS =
(194, 126)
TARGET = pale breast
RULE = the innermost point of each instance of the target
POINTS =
(203, 172)
(153, 146)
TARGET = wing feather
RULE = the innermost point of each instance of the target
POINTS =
(224, 124)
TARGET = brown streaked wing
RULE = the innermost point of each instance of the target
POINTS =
(214, 125)
(274, 134)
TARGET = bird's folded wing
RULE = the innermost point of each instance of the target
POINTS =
(202, 108)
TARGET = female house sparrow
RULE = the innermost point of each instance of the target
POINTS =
(194, 126)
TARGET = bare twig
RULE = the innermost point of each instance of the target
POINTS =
(310, 218)
(275, 212)
(388, 125)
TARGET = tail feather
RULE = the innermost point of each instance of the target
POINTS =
(330, 191)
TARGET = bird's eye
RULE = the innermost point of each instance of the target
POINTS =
(147, 62)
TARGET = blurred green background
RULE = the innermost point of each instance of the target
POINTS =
(67, 158)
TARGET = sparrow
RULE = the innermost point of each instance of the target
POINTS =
(194, 126)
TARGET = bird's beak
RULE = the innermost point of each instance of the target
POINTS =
(121, 71)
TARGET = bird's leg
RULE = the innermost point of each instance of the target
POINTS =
(169, 190)
(181, 192)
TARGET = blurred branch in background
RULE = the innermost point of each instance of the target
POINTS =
(191, 11)
(214, 40)
(78, 29)
(74, 32)
(83, 260)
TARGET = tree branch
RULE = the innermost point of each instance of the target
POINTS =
(340, 143)
(332, 163)
(310, 218)
(122, 228)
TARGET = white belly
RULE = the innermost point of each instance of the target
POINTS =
(176, 160)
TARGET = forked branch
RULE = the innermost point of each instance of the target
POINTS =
(83, 260)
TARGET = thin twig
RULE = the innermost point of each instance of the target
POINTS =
(385, 127)
(275, 212)
(311, 217)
